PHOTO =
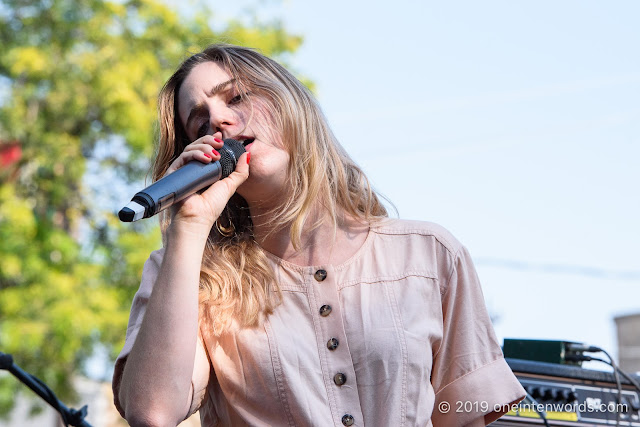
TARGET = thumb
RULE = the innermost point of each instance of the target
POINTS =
(225, 188)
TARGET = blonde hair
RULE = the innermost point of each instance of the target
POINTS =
(236, 279)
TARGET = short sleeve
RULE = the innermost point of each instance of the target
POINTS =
(470, 376)
(201, 369)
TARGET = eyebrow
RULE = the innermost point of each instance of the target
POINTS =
(198, 108)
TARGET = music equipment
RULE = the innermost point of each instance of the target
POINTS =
(571, 396)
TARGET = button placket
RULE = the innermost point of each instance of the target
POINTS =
(337, 366)
(339, 378)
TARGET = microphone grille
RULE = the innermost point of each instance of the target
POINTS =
(229, 154)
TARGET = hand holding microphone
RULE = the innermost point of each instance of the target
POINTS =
(191, 177)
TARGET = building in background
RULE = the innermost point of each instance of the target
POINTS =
(628, 331)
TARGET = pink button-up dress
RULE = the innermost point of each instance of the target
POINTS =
(392, 337)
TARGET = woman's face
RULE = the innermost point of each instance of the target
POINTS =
(209, 104)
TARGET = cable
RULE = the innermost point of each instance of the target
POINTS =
(629, 378)
(617, 377)
(580, 348)
(536, 405)
(583, 358)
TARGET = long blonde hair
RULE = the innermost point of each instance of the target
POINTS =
(236, 279)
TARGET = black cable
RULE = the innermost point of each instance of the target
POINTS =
(583, 358)
(579, 348)
(617, 377)
(628, 378)
(541, 414)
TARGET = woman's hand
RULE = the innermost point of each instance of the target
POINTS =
(200, 211)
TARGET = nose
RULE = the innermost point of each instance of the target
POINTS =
(222, 118)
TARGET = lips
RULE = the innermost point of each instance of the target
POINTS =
(245, 139)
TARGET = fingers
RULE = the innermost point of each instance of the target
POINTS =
(203, 149)
(215, 143)
(208, 205)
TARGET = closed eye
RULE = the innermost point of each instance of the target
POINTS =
(202, 130)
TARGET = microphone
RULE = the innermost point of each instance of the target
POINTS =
(185, 181)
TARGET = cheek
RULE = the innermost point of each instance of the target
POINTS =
(283, 160)
(264, 125)
(275, 161)
(269, 165)
(241, 116)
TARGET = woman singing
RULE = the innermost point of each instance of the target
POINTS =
(283, 295)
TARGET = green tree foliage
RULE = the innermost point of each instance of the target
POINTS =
(78, 86)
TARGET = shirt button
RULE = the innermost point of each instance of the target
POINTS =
(325, 310)
(332, 344)
(320, 275)
(340, 379)
(347, 420)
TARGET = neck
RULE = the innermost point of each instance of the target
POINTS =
(322, 245)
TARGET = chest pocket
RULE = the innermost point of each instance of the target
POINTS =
(392, 326)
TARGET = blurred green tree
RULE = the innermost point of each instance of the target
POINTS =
(78, 87)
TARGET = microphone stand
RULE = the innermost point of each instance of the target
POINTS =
(69, 416)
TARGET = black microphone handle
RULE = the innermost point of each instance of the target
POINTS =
(188, 179)
(185, 181)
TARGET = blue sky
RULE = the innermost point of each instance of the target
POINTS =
(513, 124)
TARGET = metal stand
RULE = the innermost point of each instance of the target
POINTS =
(69, 416)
